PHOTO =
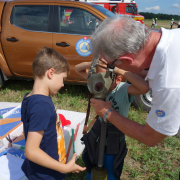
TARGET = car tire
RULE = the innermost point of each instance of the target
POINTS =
(143, 101)
(2, 81)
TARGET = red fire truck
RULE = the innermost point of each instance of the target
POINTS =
(121, 7)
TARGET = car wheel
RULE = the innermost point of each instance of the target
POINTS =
(143, 101)
(2, 81)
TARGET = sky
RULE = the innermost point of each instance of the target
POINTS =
(159, 6)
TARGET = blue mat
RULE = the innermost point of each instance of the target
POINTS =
(3, 111)
(5, 128)
(14, 152)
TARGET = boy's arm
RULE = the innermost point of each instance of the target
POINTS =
(138, 84)
(82, 67)
(38, 156)
(143, 73)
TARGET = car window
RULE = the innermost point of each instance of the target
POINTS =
(103, 10)
(30, 17)
(130, 8)
(76, 21)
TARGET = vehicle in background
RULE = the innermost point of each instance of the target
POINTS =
(143, 101)
(123, 8)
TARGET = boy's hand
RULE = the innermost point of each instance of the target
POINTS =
(73, 167)
(119, 71)
(102, 63)
(100, 106)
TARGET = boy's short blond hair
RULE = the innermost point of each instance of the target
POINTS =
(49, 58)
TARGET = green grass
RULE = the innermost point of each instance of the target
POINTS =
(160, 23)
(141, 163)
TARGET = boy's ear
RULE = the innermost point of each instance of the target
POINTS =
(127, 57)
(50, 73)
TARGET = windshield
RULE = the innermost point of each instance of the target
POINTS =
(103, 10)
(135, 10)
(130, 8)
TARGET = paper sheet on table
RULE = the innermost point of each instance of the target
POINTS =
(10, 167)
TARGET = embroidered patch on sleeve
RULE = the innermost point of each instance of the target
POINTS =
(160, 113)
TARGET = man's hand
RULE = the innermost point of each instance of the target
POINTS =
(100, 106)
(102, 63)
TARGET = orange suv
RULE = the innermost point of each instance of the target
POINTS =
(29, 25)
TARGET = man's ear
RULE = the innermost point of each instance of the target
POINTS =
(127, 57)
(50, 73)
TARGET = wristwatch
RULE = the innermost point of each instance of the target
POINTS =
(106, 115)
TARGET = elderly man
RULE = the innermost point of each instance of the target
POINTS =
(135, 48)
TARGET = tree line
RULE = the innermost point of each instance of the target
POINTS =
(159, 16)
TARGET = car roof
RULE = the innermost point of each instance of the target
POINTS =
(54, 1)
(50, 1)
(45, 1)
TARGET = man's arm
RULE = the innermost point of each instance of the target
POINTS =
(142, 133)
(138, 84)
(81, 68)
(38, 156)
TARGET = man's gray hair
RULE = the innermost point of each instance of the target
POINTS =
(118, 36)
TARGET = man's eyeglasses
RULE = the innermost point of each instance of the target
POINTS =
(111, 66)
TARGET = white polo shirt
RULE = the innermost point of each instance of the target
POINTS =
(164, 81)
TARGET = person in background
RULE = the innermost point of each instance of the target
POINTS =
(114, 9)
(179, 23)
(153, 23)
(121, 96)
(155, 19)
(136, 49)
(45, 147)
(171, 23)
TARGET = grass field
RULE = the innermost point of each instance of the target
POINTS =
(141, 163)
(160, 23)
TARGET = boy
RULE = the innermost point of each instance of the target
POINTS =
(121, 96)
(45, 151)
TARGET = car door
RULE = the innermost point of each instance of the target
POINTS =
(26, 30)
(72, 31)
